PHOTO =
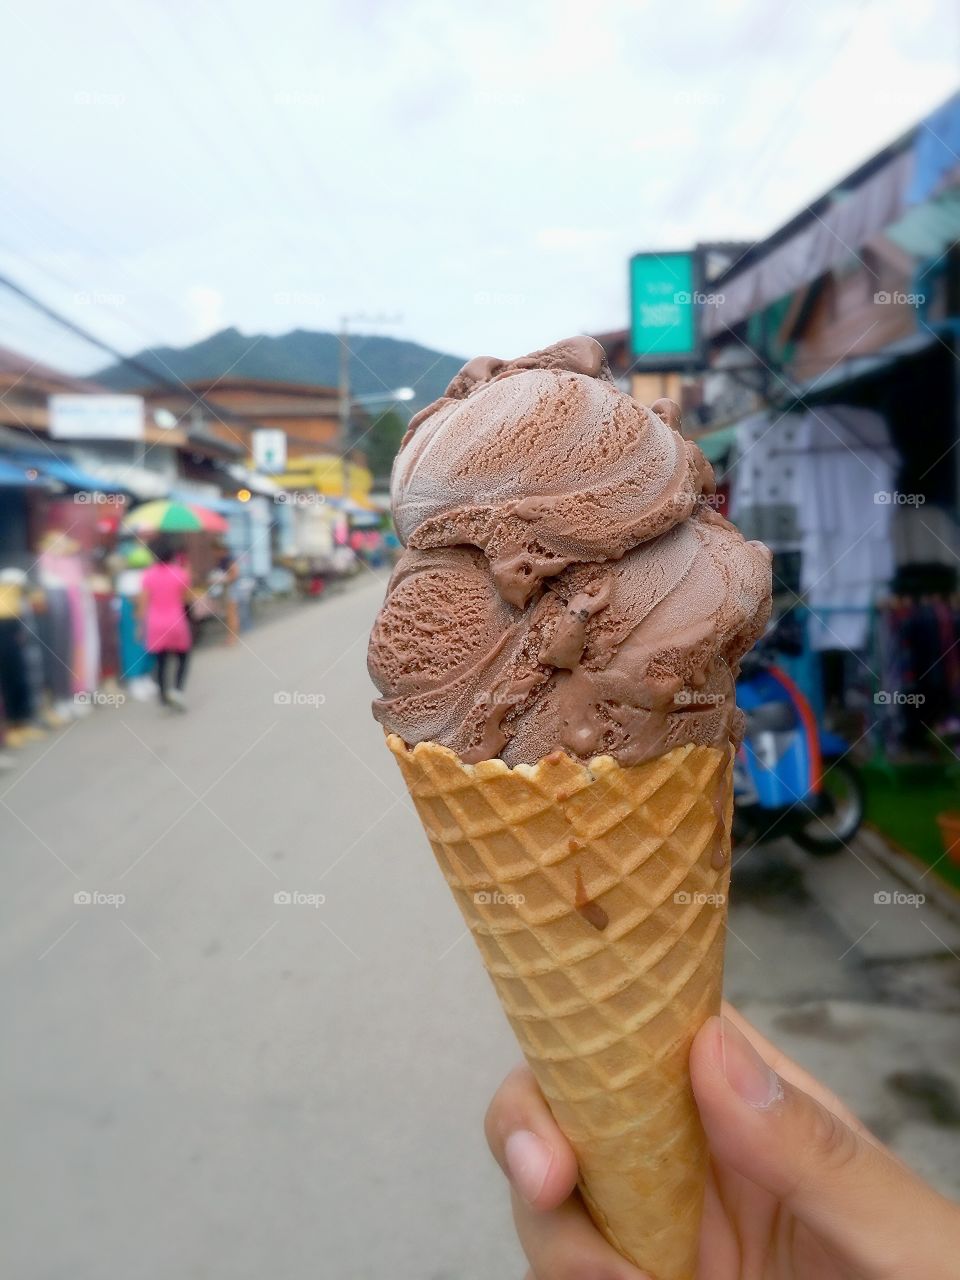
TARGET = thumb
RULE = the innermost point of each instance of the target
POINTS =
(862, 1205)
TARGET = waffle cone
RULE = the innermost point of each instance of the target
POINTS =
(598, 901)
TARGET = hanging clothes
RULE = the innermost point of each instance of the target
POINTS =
(818, 486)
(56, 642)
(764, 497)
(917, 659)
(135, 662)
(846, 472)
(14, 678)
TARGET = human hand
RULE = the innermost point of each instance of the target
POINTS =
(797, 1188)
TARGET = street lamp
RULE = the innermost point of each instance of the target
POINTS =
(398, 393)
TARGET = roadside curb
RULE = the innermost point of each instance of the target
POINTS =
(917, 876)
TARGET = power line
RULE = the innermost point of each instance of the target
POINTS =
(173, 385)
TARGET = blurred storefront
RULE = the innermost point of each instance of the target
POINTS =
(77, 465)
(308, 415)
(819, 370)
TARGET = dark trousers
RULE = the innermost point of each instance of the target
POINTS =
(163, 658)
(14, 681)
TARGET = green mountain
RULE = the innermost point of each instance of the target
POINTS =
(376, 363)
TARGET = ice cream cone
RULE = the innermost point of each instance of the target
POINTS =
(597, 896)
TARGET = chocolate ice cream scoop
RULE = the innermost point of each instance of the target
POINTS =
(541, 462)
(565, 583)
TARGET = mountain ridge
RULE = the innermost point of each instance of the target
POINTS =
(311, 356)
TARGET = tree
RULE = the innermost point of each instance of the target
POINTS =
(383, 441)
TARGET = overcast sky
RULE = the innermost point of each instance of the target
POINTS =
(477, 172)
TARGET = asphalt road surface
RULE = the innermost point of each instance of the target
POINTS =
(205, 1081)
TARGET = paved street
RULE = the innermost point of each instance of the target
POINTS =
(205, 1083)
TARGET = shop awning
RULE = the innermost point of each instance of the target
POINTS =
(894, 199)
(862, 367)
(138, 481)
(715, 444)
(823, 243)
(13, 476)
(66, 472)
(937, 152)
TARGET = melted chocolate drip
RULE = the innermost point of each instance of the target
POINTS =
(592, 912)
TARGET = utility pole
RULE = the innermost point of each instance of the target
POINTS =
(344, 385)
(344, 443)
(344, 391)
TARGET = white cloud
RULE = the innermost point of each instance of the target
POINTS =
(409, 156)
(205, 307)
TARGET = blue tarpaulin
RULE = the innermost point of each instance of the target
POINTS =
(935, 151)
(65, 471)
(14, 476)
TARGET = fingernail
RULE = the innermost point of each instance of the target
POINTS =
(528, 1162)
(746, 1072)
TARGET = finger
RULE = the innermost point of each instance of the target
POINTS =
(792, 1071)
(860, 1202)
(527, 1144)
(563, 1244)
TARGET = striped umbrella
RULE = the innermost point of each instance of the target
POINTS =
(165, 516)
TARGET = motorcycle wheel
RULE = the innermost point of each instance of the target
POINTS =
(826, 833)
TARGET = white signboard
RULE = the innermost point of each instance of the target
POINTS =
(93, 417)
(269, 449)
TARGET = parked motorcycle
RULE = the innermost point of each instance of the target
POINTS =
(792, 777)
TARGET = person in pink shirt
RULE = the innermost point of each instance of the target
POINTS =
(163, 615)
